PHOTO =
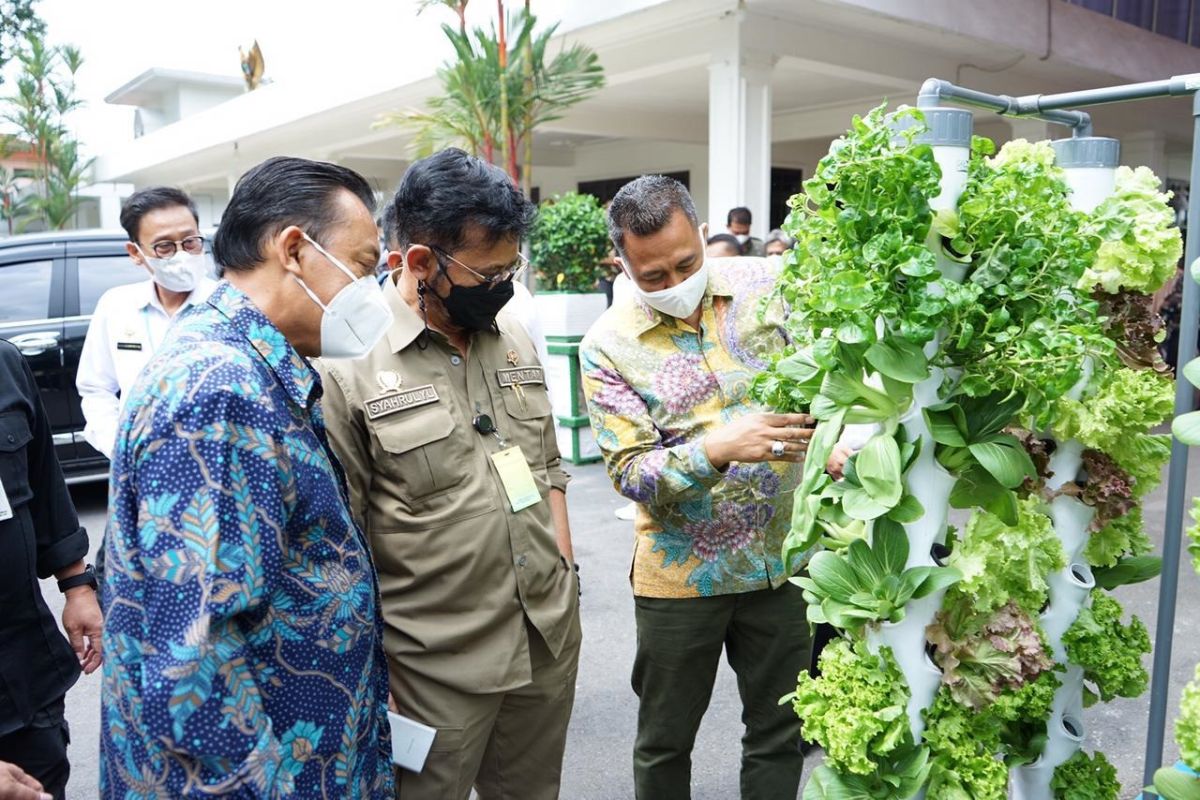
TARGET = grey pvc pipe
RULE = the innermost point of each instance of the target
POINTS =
(934, 91)
(1189, 321)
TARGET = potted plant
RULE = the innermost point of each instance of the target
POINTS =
(567, 244)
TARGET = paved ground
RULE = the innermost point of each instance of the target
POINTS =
(601, 736)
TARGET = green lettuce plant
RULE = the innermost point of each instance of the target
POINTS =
(866, 584)
(1109, 651)
(1139, 243)
(1084, 777)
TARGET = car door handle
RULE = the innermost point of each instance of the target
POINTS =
(34, 344)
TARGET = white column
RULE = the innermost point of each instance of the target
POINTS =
(739, 130)
(1145, 149)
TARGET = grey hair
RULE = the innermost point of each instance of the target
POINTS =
(778, 235)
(645, 205)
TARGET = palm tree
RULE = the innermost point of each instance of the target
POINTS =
(498, 89)
(45, 96)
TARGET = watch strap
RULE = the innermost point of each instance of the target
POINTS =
(85, 578)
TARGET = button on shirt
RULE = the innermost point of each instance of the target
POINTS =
(655, 387)
(37, 665)
(242, 628)
(460, 572)
(127, 327)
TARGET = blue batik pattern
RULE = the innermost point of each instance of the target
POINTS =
(242, 632)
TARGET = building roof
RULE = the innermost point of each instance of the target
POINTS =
(148, 89)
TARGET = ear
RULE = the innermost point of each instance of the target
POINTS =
(136, 256)
(704, 231)
(420, 261)
(285, 249)
(395, 260)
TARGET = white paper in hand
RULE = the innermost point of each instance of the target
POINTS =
(410, 742)
(6, 511)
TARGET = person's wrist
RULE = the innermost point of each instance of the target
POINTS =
(714, 450)
(77, 592)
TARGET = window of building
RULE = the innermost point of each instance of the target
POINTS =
(606, 189)
(1178, 19)
(784, 183)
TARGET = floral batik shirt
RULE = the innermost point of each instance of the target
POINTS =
(655, 387)
(242, 631)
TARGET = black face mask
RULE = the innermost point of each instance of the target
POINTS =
(474, 308)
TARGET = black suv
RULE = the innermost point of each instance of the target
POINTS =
(49, 285)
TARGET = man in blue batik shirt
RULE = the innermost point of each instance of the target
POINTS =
(243, 620)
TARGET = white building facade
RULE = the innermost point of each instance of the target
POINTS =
(739, 97)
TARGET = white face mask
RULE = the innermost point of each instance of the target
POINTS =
(179, 273)
(356, 318)
(682, 299)
(742, 238)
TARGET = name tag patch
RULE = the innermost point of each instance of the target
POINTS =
(520, 376)
(399, 401)
(129, 345)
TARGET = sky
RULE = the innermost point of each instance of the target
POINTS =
(312, 42)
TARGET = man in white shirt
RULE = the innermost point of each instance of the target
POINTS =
(130, 322)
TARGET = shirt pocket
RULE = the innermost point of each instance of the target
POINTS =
(528, 424)
(423, 458)
(15, 437)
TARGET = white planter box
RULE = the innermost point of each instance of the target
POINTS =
(568, 313)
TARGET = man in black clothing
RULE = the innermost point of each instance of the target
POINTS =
(39, 537)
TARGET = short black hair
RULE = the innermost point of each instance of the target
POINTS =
(726, 238)
(740, 215)
(441, 195)
(279, 192)
(142, 202)
(387, 226)
(645, 205)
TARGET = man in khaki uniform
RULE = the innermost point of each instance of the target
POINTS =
(448, 442)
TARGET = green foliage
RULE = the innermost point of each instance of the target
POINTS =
(1193, 534)
(1187, 727)
(1139, 242)
(496, 94)
(1122, 404)
(868, 583)
(898, 777)
(1084, 777)
(568, 242)
(1109, 652)
(1024, 243)
(856, 709)
(45, 96)
(1172, 784)
(18, 20)
(982, 656)
(1002, 563)
(973, 445)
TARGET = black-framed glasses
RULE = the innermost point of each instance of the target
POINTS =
(165, 248)
(491, 281)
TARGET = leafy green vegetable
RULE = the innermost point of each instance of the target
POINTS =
(1125, 403)
(1187, 726)
(1122, 536)
(1128, 571)
(1109, 652)
(965, 746)
(982, 656)
(1002, 563)
(857, 709)
(868, 583)
(1132, 323)
(898, 777)
(1172, 784)
(1193, 534)
(1139, 243)
(1084, 777)
(1022, 333)
(972, 445)
(1105, 487)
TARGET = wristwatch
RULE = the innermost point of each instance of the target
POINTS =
(85, 578)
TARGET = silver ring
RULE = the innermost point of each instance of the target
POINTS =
(777, 448)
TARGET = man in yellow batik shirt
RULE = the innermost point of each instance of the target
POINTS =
(667, 373)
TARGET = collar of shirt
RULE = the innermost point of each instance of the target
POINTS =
(294, 372)
(407, 324)
(718, 286)
(204, 288)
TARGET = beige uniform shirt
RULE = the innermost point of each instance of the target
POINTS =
(459, 571)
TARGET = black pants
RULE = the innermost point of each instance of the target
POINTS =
(41, 750)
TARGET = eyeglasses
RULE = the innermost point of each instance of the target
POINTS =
(491, 281)
(166, 248)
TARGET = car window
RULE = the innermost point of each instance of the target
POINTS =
(25, 289)
(98, 274)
